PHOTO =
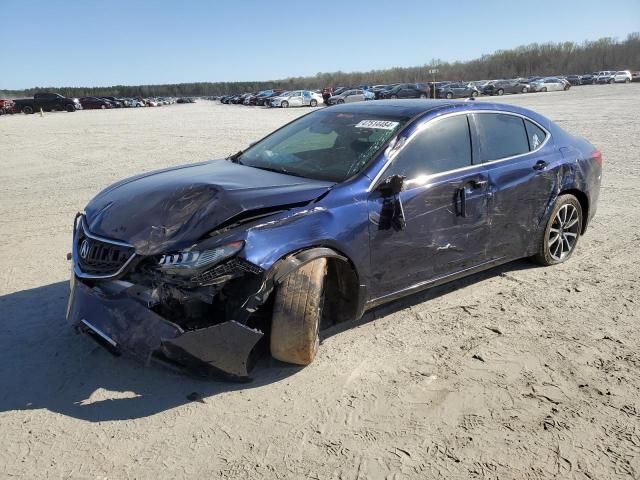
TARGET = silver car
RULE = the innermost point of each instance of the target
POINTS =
(549, 84)
(353, 95)
(296, 98)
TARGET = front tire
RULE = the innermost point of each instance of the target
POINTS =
(449, 95)
(524, 90)
(500, 92)
(422, 95)
(561, 233)
(474, 94)
(27, 110)
(544, 89)
(70, 108)
(284, 104)
(394, 97)
(297, 312)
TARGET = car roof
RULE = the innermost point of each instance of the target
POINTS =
(414, 108)
(399, 108)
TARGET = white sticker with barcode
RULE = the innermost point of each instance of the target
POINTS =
(381, 124)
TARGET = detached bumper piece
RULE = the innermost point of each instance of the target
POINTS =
(124, 325)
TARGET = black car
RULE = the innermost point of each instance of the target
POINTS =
(588, 79)
(500, 87)
(89, 103)
(407, 90)
(47, 102)
(574, 79)
(457, 90)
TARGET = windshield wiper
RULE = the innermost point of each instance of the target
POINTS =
(235, 158)
(279, 170)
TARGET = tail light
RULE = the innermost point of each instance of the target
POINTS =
(597, 156)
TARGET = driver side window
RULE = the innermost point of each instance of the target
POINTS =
(442, 146)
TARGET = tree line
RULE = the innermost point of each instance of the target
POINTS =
(524, 61)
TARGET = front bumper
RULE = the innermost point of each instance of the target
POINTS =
(122, 323)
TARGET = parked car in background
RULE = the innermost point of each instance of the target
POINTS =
(266, 100)
(349, 96)
(574, 79)
(91, 103)
(457, 90)
(605, 76)
(589, 78)
(622, 76)
(500, 87)
(296, 98)
(549, 84)
(406, 90)
(48, 102)
(6, 106)
(635, 76)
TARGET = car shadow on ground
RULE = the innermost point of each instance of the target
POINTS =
(44, 364)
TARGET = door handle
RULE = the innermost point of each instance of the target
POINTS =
(478, 183)
(461, 202)
(540, 165)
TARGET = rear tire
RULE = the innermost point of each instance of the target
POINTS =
(422, 95)
(394, 97)
(474, 94)
(69, 108)
(559, 239)
(449, 95)
(297, 312)
(544, 89)
(313, 103)
(524, 90)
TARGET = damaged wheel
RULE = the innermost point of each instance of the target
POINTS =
(297, 312)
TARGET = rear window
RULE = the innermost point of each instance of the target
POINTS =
(500, 136)
(535, 135)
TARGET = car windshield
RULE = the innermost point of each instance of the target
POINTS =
(325, 145)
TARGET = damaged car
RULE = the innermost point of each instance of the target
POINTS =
(343, 209)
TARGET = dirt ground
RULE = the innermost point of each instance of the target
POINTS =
(519, 372)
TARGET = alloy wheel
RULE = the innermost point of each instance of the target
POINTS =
(563, 234)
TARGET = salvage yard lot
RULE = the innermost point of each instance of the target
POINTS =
(518, 372)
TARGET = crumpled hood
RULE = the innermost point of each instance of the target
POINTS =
(168, 210)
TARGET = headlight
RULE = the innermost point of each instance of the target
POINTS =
(194, 260)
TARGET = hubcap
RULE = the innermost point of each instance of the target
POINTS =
(563, 233)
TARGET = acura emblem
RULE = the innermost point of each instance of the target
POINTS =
(84, 248)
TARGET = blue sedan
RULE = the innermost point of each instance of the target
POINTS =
(336, 212)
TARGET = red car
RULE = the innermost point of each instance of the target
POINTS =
(6, 106)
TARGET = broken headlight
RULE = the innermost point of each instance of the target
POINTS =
(195, 260)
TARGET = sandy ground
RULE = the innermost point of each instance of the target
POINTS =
(520, 372)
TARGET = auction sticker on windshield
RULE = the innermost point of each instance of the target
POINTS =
(382, 124)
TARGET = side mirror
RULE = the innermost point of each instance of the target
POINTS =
(391, 186)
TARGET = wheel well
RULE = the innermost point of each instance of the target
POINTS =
(584, 204)
(341, 292)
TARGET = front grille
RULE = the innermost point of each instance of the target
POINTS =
(231, 267)
(100, 257)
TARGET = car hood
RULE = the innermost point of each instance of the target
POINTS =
(171, 209)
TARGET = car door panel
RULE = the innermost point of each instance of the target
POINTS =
(444, 205)
(437, 239)
(520, 189)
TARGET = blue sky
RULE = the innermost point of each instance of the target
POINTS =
(95, 43)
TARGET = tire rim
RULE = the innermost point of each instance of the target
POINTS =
(563, 233)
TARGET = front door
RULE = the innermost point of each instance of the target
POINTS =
(444, 204)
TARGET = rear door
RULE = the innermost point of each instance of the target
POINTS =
(522, 165)
(296, 98)
(444, 200)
